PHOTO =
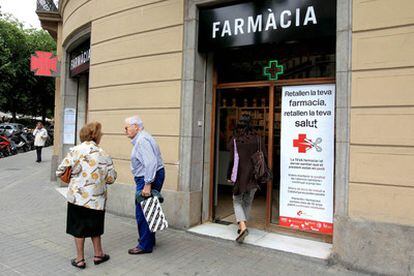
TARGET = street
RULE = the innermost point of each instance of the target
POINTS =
(33, 239)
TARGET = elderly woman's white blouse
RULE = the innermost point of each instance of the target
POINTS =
(92, 170)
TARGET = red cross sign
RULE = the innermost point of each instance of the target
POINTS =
(301, 143)
(44, 64)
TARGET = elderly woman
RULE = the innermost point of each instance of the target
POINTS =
(92, 170)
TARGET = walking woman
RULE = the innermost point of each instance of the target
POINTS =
(92, 170)
(243, 144)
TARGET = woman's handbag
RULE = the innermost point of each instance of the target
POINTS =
(65, 177)
(154, 215)
(261, 171)
(67, 174)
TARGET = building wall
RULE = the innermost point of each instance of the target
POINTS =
(136, 68)
(144, 60)
(57, 138)
(382, 128)
(378, 234)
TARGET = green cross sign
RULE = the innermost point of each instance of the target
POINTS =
(273, 70)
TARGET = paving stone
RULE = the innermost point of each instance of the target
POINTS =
(33, 239)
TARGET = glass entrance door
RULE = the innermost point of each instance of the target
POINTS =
(231, 104)
(262, 101)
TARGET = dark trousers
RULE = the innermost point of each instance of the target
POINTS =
(146, 237)
(39, 153)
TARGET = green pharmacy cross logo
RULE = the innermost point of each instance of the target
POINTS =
(273, 71)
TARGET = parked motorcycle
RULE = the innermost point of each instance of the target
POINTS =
(28, 139)
(21, 142)
(5, 146)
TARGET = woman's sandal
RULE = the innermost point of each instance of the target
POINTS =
(102, 259)
(243, 234)
(77, 263)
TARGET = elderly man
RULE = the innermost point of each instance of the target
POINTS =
(148, 171)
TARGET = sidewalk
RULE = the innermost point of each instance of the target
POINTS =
(33, 239)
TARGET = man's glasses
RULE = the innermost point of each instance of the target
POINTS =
(126, 128)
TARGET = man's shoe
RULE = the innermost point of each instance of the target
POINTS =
(137, 251)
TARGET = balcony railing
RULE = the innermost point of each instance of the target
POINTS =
(47, 6)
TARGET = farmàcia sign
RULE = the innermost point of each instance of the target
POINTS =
(261, 22)
(80, 62)
(80, 59)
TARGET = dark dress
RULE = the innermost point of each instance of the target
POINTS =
(84, 222)
(247, 144)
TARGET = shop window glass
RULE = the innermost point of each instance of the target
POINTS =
(300, 59)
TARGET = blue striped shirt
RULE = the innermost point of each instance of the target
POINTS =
(145, 157)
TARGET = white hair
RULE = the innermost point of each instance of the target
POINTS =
(134, 120)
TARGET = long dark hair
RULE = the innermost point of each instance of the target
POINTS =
(244, 126)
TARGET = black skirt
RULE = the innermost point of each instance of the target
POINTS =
(83, 222)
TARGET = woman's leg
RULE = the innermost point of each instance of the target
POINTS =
(99, 256)
(239, 211)
(247, 202)
(97, 247)
(80, 244)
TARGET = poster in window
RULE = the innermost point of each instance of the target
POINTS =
(307, 157)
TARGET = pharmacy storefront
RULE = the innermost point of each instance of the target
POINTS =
(304, 71)
(275, 61)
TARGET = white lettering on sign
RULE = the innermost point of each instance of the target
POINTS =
(284, 22)
(297, 18)
(238, 26)
(254, 25)
(271, 22)
(226, 29)
(215, 28)
(267, 22)
(83, 58)
(310, 16)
